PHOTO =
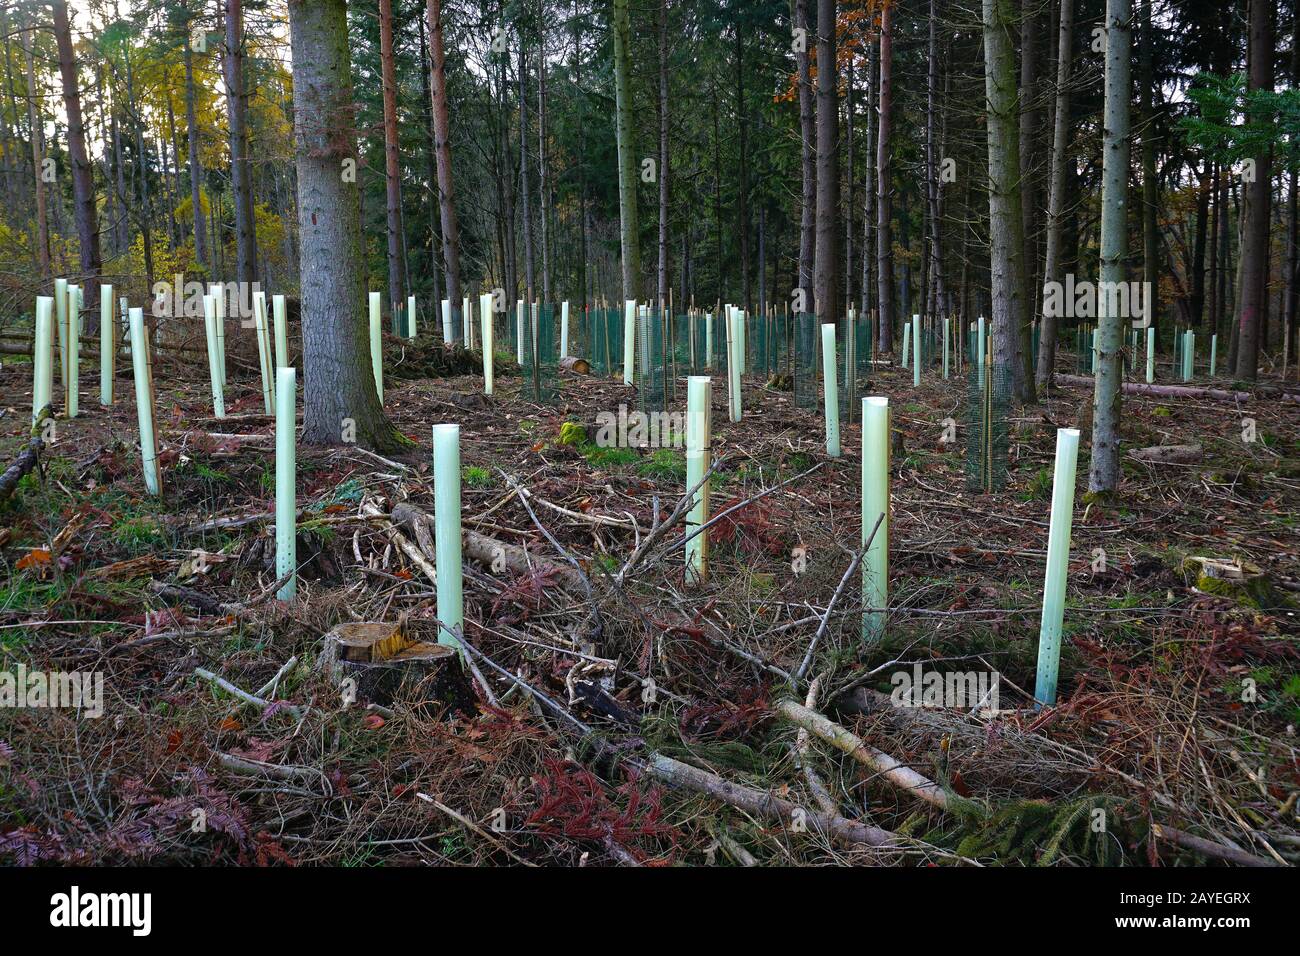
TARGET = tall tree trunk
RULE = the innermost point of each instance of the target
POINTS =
(827, 265)
(629, 231)
(742, 194)
(808, 153)
(884, 182)
(1196, 300)
(1056, 190)
(442, 133)
(392, 168)
(525, 205)
(1103, 474)
(869, 183)
(37, 123)
(338, 384)
(543, 197)
(195, 161)
(933, 187)
(663, 155)
(431, 168)
(241, 169)
(1150, 181)
(1030, 119)
(1005, 246)
(83, 182)
(1255, 211)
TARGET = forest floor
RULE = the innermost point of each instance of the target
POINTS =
(1177, 709)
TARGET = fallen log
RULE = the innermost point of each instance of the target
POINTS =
(27, 459)
(890, 770)
(579, 366)
(1167, 454)
(763, 803)
(496, 555)
(1179, 391)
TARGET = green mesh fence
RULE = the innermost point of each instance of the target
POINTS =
(651, 366)
(541, 355)
(854, 347)
(807, 361)
(988, 397)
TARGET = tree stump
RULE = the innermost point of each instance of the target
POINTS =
(385, 664)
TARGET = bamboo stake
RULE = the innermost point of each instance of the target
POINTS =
(1058, 559)
(286, 491)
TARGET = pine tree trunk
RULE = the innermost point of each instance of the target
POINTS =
(1255, 208)
(629, 232)
(195, 162)
(37, 125)
(827, 264)
(1006, 248)
(1150, 181)
(663, 155)
(83, 183)
(338, 383)
(241, 168)
(543, 197)
(525, 204)
(442, 134)
(392, 168)
(1056, 190)
(884, 184)
(1103, 474)
(808, 154)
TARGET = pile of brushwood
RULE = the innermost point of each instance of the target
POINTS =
(602, 711)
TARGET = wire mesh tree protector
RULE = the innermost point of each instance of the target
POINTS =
(987, 433)
(806, 361)
(651, 364)
(541, 358)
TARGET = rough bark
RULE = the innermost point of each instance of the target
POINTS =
(808, 153)
(241, 169)
(1103, 473)
(1255, 209)
(1056, 189)
(629, 229)
(884, 175)
(392, 168)
(1006, 249)
(442, 139)
(827, 264)
(338, 383)
(83, 183)
(195, 162)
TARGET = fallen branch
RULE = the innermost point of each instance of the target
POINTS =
(1179, 391)
(899, 775)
